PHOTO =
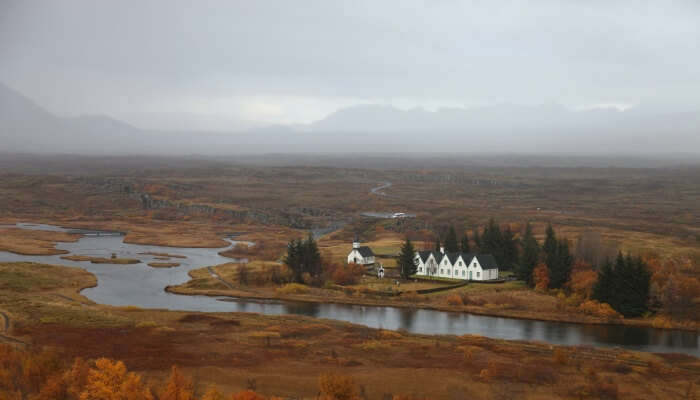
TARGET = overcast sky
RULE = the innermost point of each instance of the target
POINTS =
(232, 64)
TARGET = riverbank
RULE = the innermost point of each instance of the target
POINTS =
(507, 300)
(284, 354)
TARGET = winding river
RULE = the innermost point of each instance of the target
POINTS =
(143, 286)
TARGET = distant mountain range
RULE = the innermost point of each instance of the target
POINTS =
(27, 127)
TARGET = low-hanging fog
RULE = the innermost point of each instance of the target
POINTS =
(360, 77)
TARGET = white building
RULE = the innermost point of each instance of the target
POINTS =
(474, 267)
(362, 255)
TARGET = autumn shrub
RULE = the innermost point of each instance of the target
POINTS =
(178, 387)
(334, 386)
(213, 394)
(110, 379)
(389, 335)
(247, 395)
(347, 274)
(454, 300)
(560, 356)
(292, 288)
(661, 321)
(582, 282)
(596, 309)
(540, 276)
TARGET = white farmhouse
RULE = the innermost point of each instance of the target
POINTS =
(362, 255)
(468, 266)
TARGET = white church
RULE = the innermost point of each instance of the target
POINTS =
(359, 254)
(473, 267)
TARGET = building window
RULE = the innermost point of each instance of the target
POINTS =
(420, 269)
(463, 272)
(460, 263)
(477, 273)
(442, 271)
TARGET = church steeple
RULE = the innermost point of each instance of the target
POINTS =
(356, 242)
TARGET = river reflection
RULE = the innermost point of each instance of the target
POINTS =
(143, 286)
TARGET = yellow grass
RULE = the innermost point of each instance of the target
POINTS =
(33, 242)
(163, 264)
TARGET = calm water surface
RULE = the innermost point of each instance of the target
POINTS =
(142, 286)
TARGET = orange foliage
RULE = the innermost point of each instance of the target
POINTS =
(592, 307)
(247, 395)
(582, 282)
(179, 386)
(455, 300)
(336, 387)
(673, 285)
(346, 275)
(110, 380)
(540, 275)
(212, 394)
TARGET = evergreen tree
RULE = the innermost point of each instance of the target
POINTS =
(451, 244)
(509, 248)
(625, 287)
(477, 240)
(604, 288)
(492, 242)
(559, 264)
(464, 245)
(406, 261)
(293, 259)
(550, 242)
(529, 256)
(303, 257)
(312, 257)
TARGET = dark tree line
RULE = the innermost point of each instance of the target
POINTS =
(624, 285)
(501, 243)
(406, 261)
(303, 258)
(558, 258)
(529, 256)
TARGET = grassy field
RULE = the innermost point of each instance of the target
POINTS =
(284, 355)
(33, 242)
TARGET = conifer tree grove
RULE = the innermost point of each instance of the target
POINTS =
(302, 258)
(451, 244)
(464, 245)
(406, 261)
(529, 257)
(477, 240)
(624, 286)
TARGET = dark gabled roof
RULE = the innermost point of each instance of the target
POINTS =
(438, 256)
(452, 257)
(424, 255)
(467, 257)
(365, 251)
(487, 261)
